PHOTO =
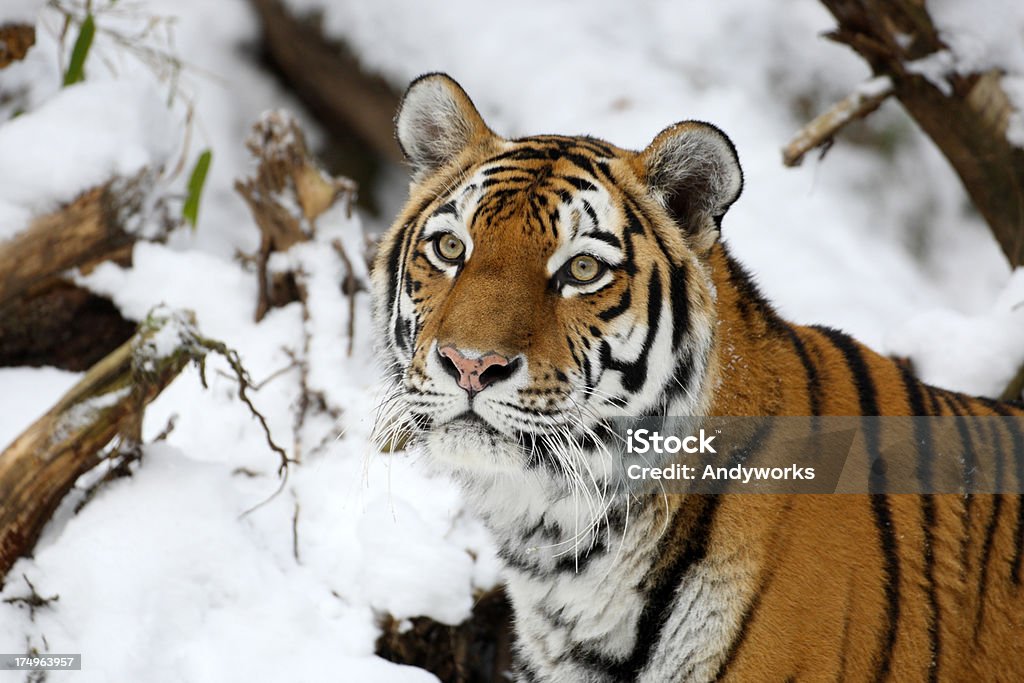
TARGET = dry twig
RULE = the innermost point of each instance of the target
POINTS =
(286, 195)
(821, 131)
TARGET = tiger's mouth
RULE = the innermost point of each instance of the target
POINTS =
(470, 441)
(471, 420)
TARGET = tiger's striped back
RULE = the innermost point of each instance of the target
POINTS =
(895, 587)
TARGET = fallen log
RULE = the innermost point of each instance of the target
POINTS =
(42, 465)
(329, 79)
(39, 308)
(89, 229)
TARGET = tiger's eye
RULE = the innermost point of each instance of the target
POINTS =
(584, 268)
(449, 247)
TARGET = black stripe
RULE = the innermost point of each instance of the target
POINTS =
(741, 637)
(868, 398)
(866, 392)
(1018, 542)
(581, 184)
(524, 673)
(594, 145)
(934, 632)
(748, 617)
(605, 237)
(990, 529)
(923, 440)
(922, 427)
(967, 478)
(680, 305)
(810, 371)
(634, 374)
(880, 508)
(696, 517)
(589, 210)
(845, 647)
(619, 308)
(750, 302)
(891, 568)
(635, 218)
(393, 259)
(1013, 425)
(933, 404)
(576, 563)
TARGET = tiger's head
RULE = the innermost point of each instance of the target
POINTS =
(533, 287)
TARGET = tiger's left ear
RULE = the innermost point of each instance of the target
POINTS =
(692, 168)
(436, 122)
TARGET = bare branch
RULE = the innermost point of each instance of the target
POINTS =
(966, 114)
(824, 127)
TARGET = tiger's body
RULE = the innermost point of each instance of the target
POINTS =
(533, 287)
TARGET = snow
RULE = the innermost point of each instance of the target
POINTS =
(983, 35)
(189, 569)
(20, 11)
(206, 601)
(874, 87)
(85, 412)
(936, 68)
(27, 394)
(48, 161)
(972, 353)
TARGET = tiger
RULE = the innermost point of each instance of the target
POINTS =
(530, 288)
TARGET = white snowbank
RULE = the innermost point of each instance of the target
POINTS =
(199, 594)
(976, 354)
(84, 136)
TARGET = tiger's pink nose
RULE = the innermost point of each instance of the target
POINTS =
(476, 374)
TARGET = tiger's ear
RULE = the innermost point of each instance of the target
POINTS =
(436, 121)
(692, 168)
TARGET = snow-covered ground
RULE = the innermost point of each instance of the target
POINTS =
(166, 576)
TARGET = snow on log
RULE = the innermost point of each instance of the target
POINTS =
(44, 318)
(42, 465)
(90, 229)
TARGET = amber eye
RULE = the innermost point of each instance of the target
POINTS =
(449, 247)
(585, 268)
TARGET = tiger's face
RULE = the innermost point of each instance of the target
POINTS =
(534, 287)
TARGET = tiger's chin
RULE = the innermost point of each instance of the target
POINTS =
(470, 445)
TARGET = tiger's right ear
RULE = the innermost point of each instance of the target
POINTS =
(436, 122)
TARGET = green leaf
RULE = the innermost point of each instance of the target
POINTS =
(195, 187)
(76, 69)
